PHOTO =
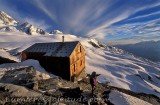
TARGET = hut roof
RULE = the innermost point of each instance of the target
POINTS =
(56, 49)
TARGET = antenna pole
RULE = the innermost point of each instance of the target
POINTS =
(62, 38)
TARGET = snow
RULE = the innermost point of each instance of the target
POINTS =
(5, 18)
(119, 98)
(29, 29)
(56, 32)
(50, 49)
(94, 41)
(117, 68)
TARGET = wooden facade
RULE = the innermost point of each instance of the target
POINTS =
(64, 59)
(77, 61)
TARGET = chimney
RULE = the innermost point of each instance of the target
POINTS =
(62, 38)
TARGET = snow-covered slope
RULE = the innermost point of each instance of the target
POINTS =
(119, 98)
(117, 68)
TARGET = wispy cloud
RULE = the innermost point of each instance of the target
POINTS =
(147, 15)
(74, 16)
(45, 9)
(86, 17)
(122, 15)
(90, 18)
(103, 27)
(135, 32)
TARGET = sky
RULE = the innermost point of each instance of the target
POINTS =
(117, 21)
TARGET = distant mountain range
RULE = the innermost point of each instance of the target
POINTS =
(7, 23)
(148, 49)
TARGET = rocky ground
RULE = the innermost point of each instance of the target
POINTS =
(56, 91)
(63, 92)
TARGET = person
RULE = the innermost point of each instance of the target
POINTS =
(93, 81)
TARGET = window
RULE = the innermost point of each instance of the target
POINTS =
(81, 63)
(74, 68)
(79, 49)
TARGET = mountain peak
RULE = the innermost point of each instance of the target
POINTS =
(30, 29)
(56, 32)
(6, 19)
(2, 12)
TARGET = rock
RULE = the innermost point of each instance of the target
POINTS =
(19, 91)
(35, 85)
(30, 29)
(26, 76)
(73, 93)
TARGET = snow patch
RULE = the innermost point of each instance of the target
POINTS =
(56, 32)
(119, 98)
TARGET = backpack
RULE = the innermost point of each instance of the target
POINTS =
(93, 81)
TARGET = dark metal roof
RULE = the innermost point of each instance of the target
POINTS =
(56, 49)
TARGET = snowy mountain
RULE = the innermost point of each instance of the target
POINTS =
(56, 32)
(7, 23)
(30, 29)
(147, 49)
(6, 19)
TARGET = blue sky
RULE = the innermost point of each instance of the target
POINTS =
(120, 20)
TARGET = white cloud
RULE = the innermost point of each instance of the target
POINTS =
(87, 17)
(135, 32)
(91, 18)
(102, 28)
(74, 16)
(147, 15)
(124, 14)
(45, 9)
